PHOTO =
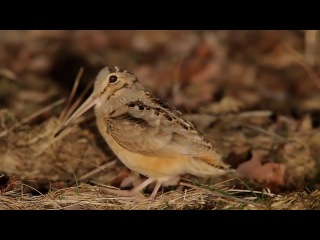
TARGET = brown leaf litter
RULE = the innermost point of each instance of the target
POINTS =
(258, 106)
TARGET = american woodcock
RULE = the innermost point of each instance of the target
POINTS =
(145, 133)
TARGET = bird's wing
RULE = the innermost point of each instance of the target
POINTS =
(157, 130)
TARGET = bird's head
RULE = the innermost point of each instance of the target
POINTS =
(114, 86)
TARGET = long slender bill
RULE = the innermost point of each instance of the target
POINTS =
(89, 103)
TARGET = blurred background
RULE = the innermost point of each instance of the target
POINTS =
(272, 76)
(185, 67)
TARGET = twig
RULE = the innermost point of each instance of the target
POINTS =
(261, 130)
(73, 91)
(32, 116)
(301, 61)
(50, 200)
(103, 185)
(99, 169)
(217, 194)
(78, 101)
(262, 113)
(8, 74)
(310, 46)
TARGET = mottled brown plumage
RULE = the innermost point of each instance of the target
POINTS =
(147, 135)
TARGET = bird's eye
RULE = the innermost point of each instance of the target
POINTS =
(113, 79)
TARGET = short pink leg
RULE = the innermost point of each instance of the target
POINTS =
(134, 191)
(142, 186)
(155, 191)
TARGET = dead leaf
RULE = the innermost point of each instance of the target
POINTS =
(268, 173)
(227, 104)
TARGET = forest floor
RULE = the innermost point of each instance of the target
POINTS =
(255, 95)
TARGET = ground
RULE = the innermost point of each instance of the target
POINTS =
(253, 94)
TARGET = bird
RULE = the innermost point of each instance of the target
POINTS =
(148, 136)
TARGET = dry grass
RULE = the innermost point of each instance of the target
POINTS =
(88, 197)
(85, 196)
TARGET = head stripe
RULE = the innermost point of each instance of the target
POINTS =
(115, 69)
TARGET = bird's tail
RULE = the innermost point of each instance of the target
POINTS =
(208, 165)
